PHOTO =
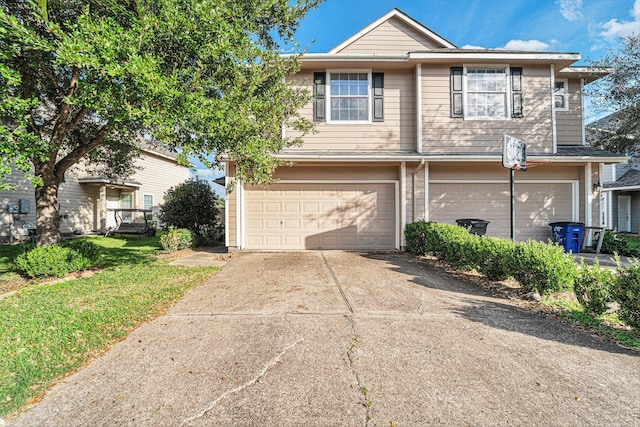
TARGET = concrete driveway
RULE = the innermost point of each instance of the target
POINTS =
(347, 339)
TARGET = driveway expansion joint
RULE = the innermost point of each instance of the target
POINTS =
(335, 280)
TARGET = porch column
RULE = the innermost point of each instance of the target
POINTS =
(101, 209)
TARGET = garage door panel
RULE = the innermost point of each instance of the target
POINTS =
(321, 216)
(536, 206)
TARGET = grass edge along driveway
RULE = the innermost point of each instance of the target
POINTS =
(51, 330)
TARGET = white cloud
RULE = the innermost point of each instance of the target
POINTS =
(203, 174)
(571, 10)
(470, 46)
(614, 28)
(528, 45)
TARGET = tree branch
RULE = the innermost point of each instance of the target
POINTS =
(78, 118)
(61, 126)
(79, 152)
(47, 72)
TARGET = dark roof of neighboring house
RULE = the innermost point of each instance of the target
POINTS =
(585, 150)
(630, 179)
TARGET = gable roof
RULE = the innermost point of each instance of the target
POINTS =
(630, 180)
(427, 34)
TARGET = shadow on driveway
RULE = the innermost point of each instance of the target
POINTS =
(480, 306)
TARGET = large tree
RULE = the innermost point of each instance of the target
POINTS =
(86, 79)
(618, 95)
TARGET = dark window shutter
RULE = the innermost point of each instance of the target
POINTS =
(456, 92)
(319, 93)
(378, 96)
(516, 92)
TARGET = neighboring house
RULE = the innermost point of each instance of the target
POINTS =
(410, 127)
(621, 196)
(84, 200)
(620, 184)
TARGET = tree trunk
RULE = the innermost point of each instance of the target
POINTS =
(47, 215)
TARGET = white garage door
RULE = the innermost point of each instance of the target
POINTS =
(321, 216)
(537, 204)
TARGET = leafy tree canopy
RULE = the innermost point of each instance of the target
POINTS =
(618, 93)
(84, 79)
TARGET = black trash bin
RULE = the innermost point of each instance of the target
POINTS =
(568, 235)
(474, 225)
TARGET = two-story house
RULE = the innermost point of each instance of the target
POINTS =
(410, 127)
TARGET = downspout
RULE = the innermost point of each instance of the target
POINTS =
(588, 194)
(553, 110)
(426, 191)
(418, 102)
(403, 202)
(584, 138)
(414, 186)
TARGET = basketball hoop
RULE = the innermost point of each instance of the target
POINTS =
(514, 153)
(533, 164)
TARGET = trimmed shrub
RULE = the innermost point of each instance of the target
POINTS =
(416, 234)
(543, 267)
(592, 287)
(627, 294)
(51, 261)
(176, 238)
(537, 266)
(496, 258)
(86, 248)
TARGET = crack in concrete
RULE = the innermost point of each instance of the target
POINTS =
(361, 388)
(419, 308)
(261, 373)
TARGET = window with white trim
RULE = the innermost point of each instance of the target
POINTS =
(561, 95)
(349, 97)
(487, 90)
(147, 201)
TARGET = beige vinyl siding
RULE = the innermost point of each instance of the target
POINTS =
(231, 207)
(391, 36)
(156, 177)
(569, 123)
(444, 134)
(78, 202)
(24, 190)
(396, 132)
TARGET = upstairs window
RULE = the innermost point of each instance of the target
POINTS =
(561, 95)
(349, 97)
(486, 93)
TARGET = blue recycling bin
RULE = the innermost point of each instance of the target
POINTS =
(568, 235)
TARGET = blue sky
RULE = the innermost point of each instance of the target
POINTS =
(588, 27)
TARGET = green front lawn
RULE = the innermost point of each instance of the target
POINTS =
(50, 329)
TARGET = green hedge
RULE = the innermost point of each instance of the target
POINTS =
(176, 238)
(56, 260)
(537, 266)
